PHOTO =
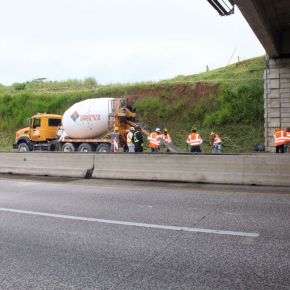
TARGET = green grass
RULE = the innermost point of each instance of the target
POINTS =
(227, 100)
(233, 74)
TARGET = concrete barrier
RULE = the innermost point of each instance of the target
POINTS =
(50, 164)
(188, 168)
(267, 169)
(259, 169)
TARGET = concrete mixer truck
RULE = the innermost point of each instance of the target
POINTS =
(91, 125)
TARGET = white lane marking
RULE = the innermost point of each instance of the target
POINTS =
(153, 226)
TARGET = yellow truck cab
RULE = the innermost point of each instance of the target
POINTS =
(41, 130)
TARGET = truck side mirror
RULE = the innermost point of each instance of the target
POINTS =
(28, 120)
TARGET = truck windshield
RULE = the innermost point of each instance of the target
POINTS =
(36, 123)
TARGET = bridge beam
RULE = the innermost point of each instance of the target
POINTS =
(263, 26)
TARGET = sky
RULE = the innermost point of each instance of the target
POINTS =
(118, 41)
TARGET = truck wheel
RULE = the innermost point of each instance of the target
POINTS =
(23, 147)
(68, 147)
(103, 147)
(85, 147)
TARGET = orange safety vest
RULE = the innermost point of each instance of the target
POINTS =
(166, 138)
(217, 139)
(279, 138)
(154, 139)
(287, 137)
(194, 139)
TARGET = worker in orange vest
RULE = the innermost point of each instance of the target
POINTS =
(166, 137)
(287, 140)
(194, 140)
(287, 133)
(280, 140)
(155, 140)
(216, 142)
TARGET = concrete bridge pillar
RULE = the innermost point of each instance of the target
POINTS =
(277, 98)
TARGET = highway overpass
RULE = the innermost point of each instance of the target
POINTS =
(270, 21)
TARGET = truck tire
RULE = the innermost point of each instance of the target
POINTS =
(23, 147)
(85, 147)
(103, 147)
(68, 147)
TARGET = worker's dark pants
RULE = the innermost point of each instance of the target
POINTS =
(195, 149)
(154, 149)
(138, 149)
(280, 149)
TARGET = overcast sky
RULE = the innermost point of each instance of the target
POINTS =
(117, 40)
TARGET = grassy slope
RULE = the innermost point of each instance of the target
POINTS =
(228, 100)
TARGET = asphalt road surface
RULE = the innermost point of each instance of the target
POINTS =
(96, 234)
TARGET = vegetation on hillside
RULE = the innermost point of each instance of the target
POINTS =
(228, 100)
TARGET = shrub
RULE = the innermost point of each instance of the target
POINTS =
(19, 86)
(90, 82)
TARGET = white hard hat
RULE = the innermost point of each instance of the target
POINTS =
(157, 130)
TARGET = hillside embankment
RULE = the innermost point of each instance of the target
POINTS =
(228, 100)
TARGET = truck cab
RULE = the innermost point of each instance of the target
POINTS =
(42, 129)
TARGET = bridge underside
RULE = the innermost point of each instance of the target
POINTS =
(270, 21)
